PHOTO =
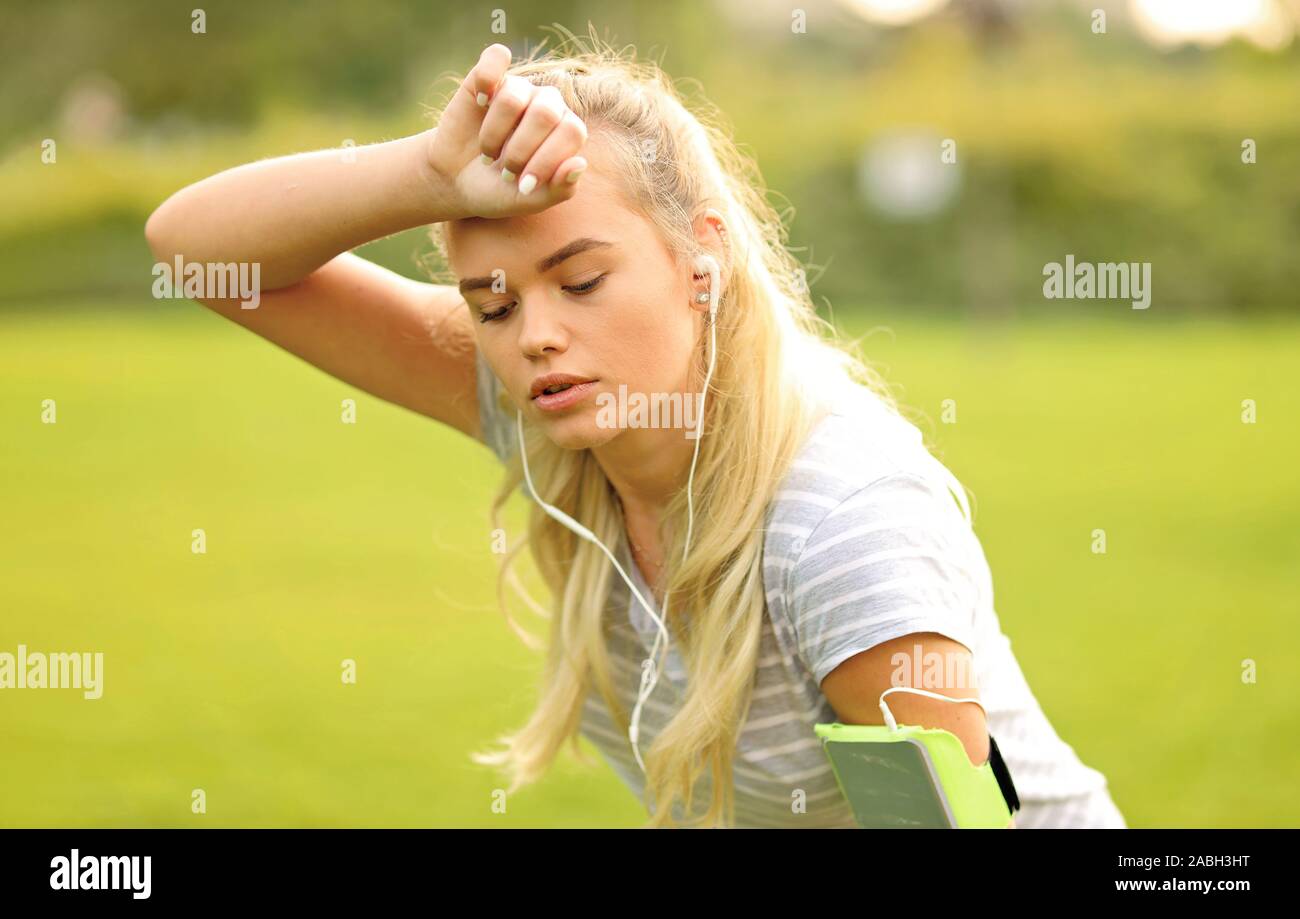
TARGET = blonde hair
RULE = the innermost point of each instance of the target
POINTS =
(776, 362)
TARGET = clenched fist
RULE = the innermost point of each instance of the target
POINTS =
(505, 146)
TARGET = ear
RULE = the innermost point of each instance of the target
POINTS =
(712, 235)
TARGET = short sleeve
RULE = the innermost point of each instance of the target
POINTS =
(498, 426)
(891, 559)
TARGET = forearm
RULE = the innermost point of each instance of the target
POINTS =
(293, 214)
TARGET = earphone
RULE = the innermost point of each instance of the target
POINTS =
(649, 668)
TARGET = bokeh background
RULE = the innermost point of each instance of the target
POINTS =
(370, 541)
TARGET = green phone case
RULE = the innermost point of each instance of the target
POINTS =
(912, 777)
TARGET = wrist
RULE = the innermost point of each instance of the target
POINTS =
(434, 187)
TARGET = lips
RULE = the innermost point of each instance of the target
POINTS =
(566, 398)
(553, 383)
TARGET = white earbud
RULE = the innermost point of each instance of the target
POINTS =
(649, 670)
(707, 264)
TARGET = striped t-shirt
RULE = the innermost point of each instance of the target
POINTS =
(865, 542)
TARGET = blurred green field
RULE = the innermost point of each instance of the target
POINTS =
(370, 541)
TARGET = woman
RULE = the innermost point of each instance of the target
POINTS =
(768, 546)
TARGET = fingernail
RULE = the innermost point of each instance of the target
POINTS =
(573, 176)
(527, 184)
(481, 99)
(485, 160)
(507, 175)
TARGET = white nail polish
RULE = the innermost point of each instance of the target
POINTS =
(482, 99)
(507, 175)
(573, 176)
(527, 184)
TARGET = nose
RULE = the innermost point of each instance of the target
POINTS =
(541, 330)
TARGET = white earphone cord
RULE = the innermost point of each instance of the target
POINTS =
(648, 668)
(889, 716)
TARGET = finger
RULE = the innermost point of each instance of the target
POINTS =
(566, 177)
(560, 145)
(504, 112)
(560, 188)
(486, 76)
(460, 123)
(546, 112)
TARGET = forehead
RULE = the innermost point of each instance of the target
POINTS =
(599, 208)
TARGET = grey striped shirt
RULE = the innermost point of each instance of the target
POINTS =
(865, 542)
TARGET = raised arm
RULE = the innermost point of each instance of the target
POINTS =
(297, 217)
(292, 214)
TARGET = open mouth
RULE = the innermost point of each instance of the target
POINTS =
(559, 396)
(561, 386)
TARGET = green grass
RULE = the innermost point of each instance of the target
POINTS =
(370, 541)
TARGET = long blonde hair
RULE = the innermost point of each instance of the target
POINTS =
(776, 361)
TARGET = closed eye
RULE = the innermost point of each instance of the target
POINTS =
(579, 289)
(587, 287)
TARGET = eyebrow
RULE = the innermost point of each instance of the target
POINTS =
(559, 255)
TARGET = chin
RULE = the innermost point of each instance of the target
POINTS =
(576, 431)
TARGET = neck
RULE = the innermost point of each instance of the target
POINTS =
(646, 466)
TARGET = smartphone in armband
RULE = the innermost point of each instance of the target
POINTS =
(904, 776)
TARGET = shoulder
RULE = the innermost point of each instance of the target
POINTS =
(861, 454)
(869, 539)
